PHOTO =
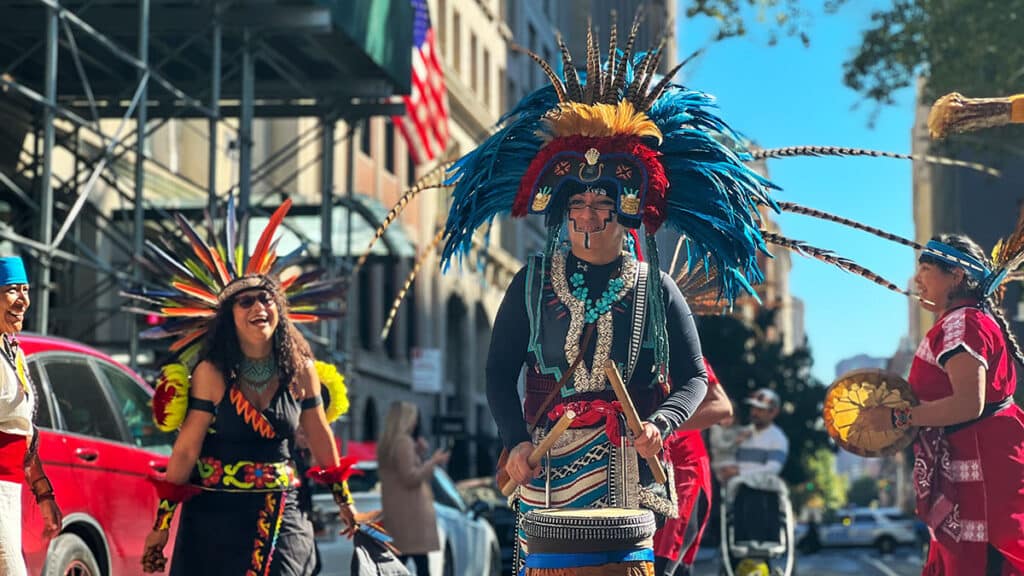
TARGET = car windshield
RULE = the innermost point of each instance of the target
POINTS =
(445, 491)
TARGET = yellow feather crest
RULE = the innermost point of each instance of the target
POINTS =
(600, 120)
(334, 383)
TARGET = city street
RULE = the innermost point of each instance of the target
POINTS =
(836, 562)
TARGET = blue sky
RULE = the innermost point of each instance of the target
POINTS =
(786, 95)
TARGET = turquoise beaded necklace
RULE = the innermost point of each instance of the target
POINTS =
(594, 310)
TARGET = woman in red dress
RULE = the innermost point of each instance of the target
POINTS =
(677, 542)
(969, 456)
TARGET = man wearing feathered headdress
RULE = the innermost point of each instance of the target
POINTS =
(600, 157)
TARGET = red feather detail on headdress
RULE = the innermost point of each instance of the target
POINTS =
(300, 318)
(202, 250)
(287, 281)
(657, 182)
(176, 311)
(257, 259)
(195, 292)
(187, 339)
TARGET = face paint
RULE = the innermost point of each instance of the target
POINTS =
(590, 217)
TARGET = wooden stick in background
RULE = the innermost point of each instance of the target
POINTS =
(632, 418)
(541, 449)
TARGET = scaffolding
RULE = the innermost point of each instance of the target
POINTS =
(95, 79)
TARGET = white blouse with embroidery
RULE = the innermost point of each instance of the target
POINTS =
(15, 402)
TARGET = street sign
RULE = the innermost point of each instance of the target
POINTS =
(426, 370)
(449, 426)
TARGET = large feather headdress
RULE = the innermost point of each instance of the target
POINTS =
(202, 274)
(656, 144)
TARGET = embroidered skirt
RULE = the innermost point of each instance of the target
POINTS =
(243, 533)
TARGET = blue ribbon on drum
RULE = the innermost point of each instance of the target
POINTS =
(588, 559)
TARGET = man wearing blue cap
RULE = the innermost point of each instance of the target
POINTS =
(19, 460)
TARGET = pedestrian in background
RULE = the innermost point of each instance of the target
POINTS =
(405, 479)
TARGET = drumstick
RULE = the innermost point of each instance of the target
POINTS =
(954, 113)
(632, 418)
(541, 449)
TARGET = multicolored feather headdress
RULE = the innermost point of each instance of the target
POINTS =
(204, 274)
(655, 144)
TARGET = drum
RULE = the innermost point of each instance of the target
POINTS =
(589, 542)
(861, 389)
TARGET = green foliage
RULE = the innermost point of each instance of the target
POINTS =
(777, 17)
(970, 46)
(821, 468)
(863, 491)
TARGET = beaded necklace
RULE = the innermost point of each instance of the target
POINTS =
(593, 310)
(257, 373)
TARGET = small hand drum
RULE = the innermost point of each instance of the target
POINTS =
(859, 390)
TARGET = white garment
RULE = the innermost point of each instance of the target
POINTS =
(765, 451)
(11, 561)
(15, 404)
(724, 441)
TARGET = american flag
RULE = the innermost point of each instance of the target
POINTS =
(425, 124)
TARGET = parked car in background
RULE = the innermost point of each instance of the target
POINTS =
(469, 545)
(483, 495)
(882, 528)
(99, 446)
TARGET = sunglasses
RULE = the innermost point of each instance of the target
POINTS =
(247, 301)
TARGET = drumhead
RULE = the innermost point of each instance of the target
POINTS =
(856, 391)
(583, 529)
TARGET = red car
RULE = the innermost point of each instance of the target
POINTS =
(98, 445)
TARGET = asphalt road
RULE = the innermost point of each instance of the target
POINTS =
(837, 562)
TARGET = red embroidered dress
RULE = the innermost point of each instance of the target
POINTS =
(691, 469)
(976, 496)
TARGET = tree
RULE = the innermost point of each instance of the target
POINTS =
(969, 46)
(745, 360)
(786, 17)
(823, 480)
(863, 491)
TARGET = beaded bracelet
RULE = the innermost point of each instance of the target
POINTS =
(164, 514)
(902, 418)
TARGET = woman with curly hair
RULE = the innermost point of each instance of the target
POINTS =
(255, 386)
(969, 455)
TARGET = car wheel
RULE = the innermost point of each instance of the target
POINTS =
(69, 556)
(449, 563)
(885, 544)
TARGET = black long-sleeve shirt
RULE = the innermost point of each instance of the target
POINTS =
(510, 339)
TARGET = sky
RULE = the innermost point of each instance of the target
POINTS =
(786, 95)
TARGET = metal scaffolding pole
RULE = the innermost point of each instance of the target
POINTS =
(245, 130)
(140, 172)
(215, 64)
(353, 287)
(328, 329)
(45, 181)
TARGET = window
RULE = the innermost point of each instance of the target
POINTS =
(81, 399)
(136, 408)
(863, 519)
(44, 418)
(457, 41)
(364, 136)
(487, 78)
(473, 64)
(508, 94)
(445, 492)
(389, 146)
